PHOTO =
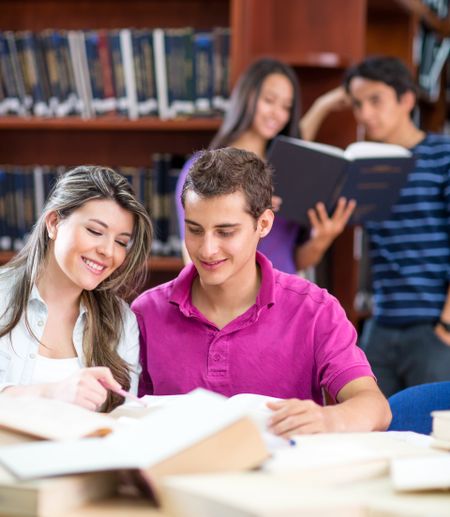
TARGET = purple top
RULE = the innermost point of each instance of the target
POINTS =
(293, 342)
(279, 246)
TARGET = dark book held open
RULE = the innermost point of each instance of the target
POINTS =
(309, 172)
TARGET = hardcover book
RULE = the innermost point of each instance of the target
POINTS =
(307, 173)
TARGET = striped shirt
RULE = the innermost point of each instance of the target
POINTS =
(410, 252)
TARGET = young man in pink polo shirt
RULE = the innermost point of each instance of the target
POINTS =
(232, 324)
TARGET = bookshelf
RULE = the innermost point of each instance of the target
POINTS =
(320, 39)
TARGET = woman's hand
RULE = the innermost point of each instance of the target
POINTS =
(86, 388)
(324, 228)
(276, 203)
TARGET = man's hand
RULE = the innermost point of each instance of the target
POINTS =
(294, 416)
(442, 334)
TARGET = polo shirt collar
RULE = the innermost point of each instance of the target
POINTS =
(181, 291)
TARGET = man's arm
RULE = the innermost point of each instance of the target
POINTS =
(334, 100)
(361, 407)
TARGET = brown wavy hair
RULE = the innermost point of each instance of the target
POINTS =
(104, 317)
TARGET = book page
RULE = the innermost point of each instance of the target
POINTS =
(423, 473)
(51, 419)
(374, 150)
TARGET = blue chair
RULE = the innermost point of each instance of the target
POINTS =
(411, 408)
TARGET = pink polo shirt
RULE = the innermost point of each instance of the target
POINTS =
(293, 342)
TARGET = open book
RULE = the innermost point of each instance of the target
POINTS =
(309, 172)
(51, 419)
(198, 433)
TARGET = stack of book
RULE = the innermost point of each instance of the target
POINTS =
(130, 72)
(77, 453)
(441, 429)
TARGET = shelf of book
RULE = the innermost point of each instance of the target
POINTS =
(110, 123)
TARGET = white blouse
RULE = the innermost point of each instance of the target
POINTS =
(19, 349)
(47, 369)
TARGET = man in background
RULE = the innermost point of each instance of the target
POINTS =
(407, 341)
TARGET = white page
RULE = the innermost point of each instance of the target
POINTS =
(49, 418)
(375, 150)
(421, 473)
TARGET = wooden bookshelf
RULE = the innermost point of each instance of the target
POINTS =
(109, 123)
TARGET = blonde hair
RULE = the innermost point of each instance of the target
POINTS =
(104, 318)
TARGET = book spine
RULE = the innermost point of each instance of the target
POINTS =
(203, 72)
(129, 76)
(150, 103)
(161, 73)
(50, 57)
(104, 52)
(118, 72)
(16, 69)
(11, 102)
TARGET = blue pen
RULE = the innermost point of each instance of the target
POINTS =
(292, 442)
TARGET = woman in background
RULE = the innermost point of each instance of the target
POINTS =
(65, 331)
(266, 103)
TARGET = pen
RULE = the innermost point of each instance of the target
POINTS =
(125, 394)
(128, 395)
(292, 442)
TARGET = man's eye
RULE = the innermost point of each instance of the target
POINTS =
(194, 231)
(226, 234)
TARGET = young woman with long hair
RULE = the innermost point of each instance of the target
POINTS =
(65, 331)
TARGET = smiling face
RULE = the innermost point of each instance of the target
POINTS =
(221, 238)
(376, 106)
(273, 107)
(89, 244)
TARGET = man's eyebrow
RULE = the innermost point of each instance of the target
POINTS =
(102, 223)
(223, 225)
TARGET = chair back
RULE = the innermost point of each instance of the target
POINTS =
(411, 408)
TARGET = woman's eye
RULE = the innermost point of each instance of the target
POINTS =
(123, 244)
(94, 232)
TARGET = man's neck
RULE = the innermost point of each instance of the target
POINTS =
(221, 304)
(407, 136)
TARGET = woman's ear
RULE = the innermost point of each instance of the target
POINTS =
(265, 222)
(51, 223)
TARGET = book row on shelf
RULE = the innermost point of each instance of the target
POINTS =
(24, 189)
(431, 52)
(129, 72)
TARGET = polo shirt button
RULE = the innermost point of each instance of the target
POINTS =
(216, 357)
(32, 356)
(40, 323)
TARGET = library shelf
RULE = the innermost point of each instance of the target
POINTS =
(109, 124)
